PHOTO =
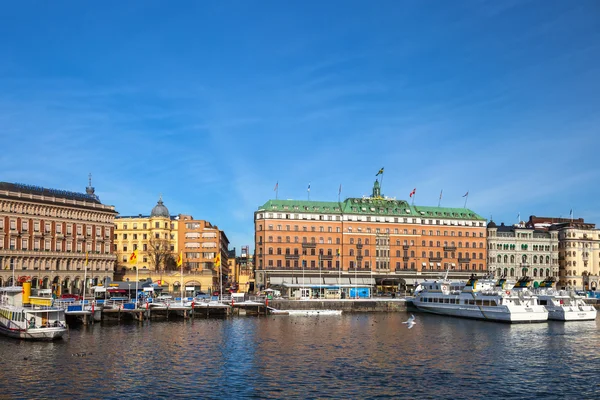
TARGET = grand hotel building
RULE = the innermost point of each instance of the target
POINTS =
(47, 236)
(369, 241)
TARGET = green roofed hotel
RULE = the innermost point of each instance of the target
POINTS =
(376, 243)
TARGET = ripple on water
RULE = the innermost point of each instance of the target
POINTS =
(366, 355)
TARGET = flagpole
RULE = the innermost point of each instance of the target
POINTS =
(137, 279)
(381, 184)
(181, 258)
(308, 190)
(466, 198)
(440, 200)
(84, 279)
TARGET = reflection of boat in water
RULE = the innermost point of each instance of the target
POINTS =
(483, 299)
(29, 317)
(563, 305)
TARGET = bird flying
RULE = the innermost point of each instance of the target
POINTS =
(410, 322)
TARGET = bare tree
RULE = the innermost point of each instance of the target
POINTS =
(159, 252)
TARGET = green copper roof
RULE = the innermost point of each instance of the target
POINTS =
(369, 206)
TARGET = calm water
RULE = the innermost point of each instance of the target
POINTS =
(349, 356)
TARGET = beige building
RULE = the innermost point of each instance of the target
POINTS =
(46, 236)
(515, 251)
(579, 251)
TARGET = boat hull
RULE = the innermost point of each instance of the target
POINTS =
(561, 314)
(495, 314)
(34, 334)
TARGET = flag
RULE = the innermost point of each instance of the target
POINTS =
(414, 191)
(466, 194)
(6, 266)
(180, 259)
(571, 212)
(340, 190)
(133, 257)
(380, 172)
(276, 187)
(86, 258)
(308, 187)
(441, 193)
(218, 260)
(338, 252)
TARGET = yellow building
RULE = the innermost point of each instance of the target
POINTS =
(159, 238)
(154, 237)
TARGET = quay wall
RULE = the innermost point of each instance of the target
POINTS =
(367, 305)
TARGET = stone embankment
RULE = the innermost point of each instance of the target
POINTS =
(360, 305)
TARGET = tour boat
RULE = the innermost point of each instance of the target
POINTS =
(29, 317)
(484, 299)
(563, 305)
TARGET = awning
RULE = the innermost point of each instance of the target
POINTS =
(276, 280)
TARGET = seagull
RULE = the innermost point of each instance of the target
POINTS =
(410, 322)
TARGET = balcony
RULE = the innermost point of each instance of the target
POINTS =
(405, 258)
(406, 247)
(464, 260)
(449, 248)
(309, 245)
(438, 259)
(292, 256)
(359, 246)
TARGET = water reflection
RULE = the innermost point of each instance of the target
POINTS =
(371, 355)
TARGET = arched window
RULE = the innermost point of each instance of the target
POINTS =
(351, 252)
(512, 259)
(397, 253)
(270, 250)
(279, 250)
(366, 241)
(351, 240)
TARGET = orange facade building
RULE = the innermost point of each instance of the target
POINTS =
(371, 240)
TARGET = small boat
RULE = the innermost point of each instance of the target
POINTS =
(29, 317)
(484, 299)
(563, 305)
(310, 313)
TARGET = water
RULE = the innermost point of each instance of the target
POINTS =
(348, 356)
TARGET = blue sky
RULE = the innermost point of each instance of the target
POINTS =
(213, 103)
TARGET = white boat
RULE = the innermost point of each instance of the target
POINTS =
(484, 299)
(36, 319)
(311, 313)
(563, 305)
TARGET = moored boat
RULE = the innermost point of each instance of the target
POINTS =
(484, 299)
(563, 305)
(29, 317)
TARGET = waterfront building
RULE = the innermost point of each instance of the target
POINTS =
(517, 250)
(366, 241)
(201, 242)
(154, 236)
(55, 238)
(578, 251)
(159, 238)
(241, 270)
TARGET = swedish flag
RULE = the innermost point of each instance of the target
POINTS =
(380, 172)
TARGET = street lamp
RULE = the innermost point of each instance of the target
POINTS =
(129, 291)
